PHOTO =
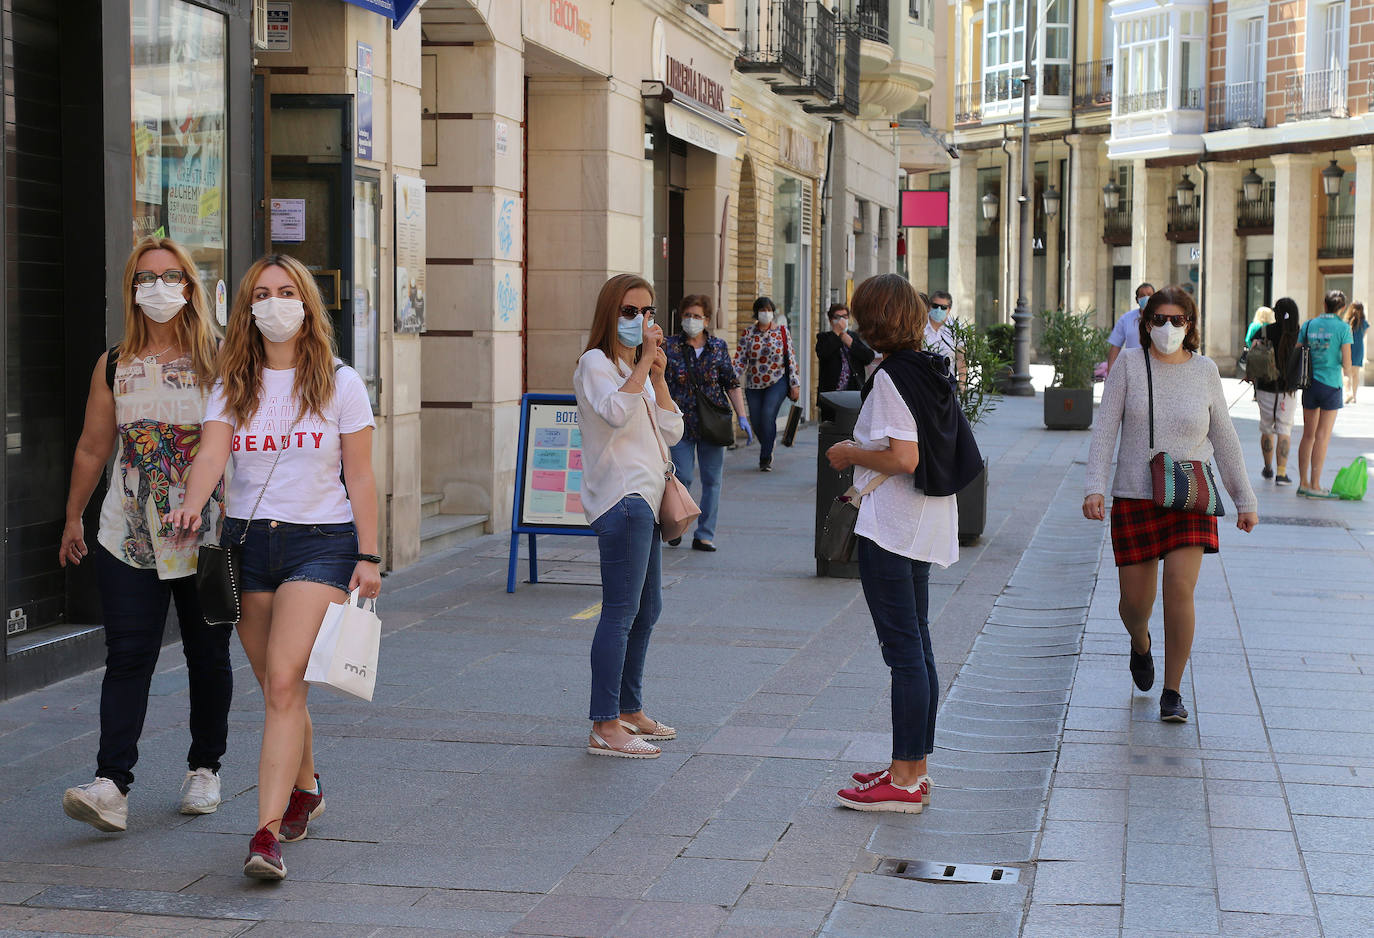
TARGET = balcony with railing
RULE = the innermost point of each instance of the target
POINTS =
(1338, 236)
(1142, 101)
(1092, 84)
(821, 45)
(871, 16)
(1236, 104)
(968, 103)
(1183, 221)
(1116, 224)
(776, 44)
(1255, 217)
(844, 95)
(1314, 95)
(1050, 85)
(896, 55)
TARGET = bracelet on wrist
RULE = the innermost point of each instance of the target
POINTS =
(368, 558)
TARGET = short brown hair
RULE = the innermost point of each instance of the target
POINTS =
(892, 316)
(608, 303)
(697, 299)
(836, 308)
(1173, 295)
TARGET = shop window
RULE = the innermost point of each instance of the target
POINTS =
(178, 127)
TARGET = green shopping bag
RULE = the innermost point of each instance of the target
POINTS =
(1352, 481)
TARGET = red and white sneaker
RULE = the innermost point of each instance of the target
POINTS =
(264, 857)
(303, 808)
(864, 777)
(881, 795)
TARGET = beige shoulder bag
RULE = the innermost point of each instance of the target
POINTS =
(677, 511)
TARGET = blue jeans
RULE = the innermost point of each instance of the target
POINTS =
(277, 552)
(763, 414)
(627, 537)
(712, 459)
(897, 590)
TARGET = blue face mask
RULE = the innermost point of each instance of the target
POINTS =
(631, 331)
(1142, 301)
(938, 315)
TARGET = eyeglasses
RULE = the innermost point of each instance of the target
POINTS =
(1160, 319)
(939, 306)
(630, 312)
(173, 278)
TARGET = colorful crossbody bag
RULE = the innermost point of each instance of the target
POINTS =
(1180, 484)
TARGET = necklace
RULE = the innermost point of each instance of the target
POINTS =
(152, 359)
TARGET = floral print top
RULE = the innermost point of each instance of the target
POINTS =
(711, 370)
(759, 360)
(158, 409)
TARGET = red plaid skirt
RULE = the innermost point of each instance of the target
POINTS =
(1142, 531)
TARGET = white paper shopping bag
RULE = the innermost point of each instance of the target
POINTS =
(345, 653)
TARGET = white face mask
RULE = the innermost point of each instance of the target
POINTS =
(765, 317)
(693, 327)
(1168, 338)
(159, 301)
(277, 318)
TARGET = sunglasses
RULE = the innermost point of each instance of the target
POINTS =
(173, 278)
(630, 312)
(1160, 319)
(939, 306)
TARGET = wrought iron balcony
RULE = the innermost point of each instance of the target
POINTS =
(822, 41)
(1255, 217)
(1092, 84)
(968, 103)
(1236, 104)
(872, 18)
(1190, 99)
(1317, 94)
(1142, 101)
(778, 42)
(845, 99)
(1183, 221)
(1338, 236)
(1116, 224)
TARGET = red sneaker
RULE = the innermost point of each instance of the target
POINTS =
(264, 857)
(303, 808)
(864, 778)
(881, 795)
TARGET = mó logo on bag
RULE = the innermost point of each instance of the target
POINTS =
(360, 670)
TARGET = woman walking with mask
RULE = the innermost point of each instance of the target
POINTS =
(146, 401)
(289, 414)
(767, 366)
(1175, 398)
(626, 413)
(698, 362)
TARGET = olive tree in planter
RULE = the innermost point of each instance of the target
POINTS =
(1074, 346)
(985, 368)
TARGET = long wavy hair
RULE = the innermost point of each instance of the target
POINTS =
(244, 355)
(195, 329)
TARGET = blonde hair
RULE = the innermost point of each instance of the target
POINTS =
(195, 330)
(244, 355)
(1264, 314)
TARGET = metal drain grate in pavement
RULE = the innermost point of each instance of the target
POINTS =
(948, 872)
(1301, 522)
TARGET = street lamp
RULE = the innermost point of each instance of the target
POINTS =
(1252, 184)
(1111, 196)
(1331, 179)
(989, 203)
(1184, 192)
(1051, 199)
(1019, 382)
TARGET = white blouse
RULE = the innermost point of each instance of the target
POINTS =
(620, 452)
(896, 515)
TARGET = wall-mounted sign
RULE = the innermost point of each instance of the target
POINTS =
(410, 254)
(578, 30)
(923, 209)
(502, 138)
(364, 101)
(278, 26)
(288, 221)
(684, 78)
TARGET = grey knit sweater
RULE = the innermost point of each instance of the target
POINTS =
(1192, 421)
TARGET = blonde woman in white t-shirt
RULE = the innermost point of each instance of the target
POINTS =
(289, 415)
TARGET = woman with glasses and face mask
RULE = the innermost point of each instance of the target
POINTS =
(146, 401)
(766, 364)
(626, 412)
(1192, 420)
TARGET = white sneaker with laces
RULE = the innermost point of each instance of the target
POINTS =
(201, 792)
(98, 803)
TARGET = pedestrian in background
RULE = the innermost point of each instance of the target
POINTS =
(1277, 401)
(290, 415)
(1191, 420)
(842, 354)
(1263, 317)
(1359, 325)
(626, 412)
(766, 365)
(1126, 333)
(144, 407)
(1330, 339)
(910, 423)
(698, 361)
(939, 338)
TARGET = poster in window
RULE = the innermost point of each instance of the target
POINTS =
(410, 254)
(147, 147)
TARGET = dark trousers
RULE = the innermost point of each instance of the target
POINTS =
(897, 590)
(135, 604)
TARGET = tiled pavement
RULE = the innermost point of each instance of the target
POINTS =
(461, 803)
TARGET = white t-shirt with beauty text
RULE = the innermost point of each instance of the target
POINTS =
(306, 487)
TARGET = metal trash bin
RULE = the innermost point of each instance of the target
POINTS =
(839, 413)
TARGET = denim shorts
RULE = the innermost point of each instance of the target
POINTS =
(276, 552)
(1321, 397)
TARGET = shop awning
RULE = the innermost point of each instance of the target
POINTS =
(394, 10)
(702, 128)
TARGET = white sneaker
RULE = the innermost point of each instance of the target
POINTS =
(99, 803)
(201, 789)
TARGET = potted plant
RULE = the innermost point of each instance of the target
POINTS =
(986, 365)
(1074, 346)
(1001, 339)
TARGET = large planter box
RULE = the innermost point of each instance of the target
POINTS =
(973, 508)
(1069, 408)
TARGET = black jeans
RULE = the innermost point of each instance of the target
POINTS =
(135, 604)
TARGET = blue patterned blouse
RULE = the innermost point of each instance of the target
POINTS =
(712, 371)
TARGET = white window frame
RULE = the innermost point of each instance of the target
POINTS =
(1149, 59)
(1239, 68)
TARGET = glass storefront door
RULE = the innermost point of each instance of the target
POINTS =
(792, 268)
